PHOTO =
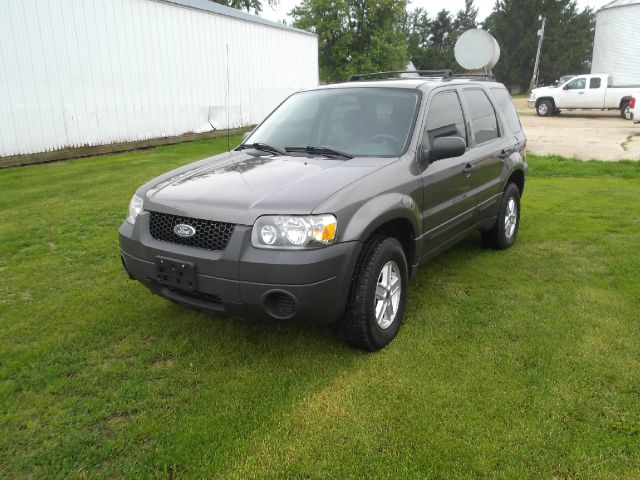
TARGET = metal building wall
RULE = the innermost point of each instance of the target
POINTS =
(89, 72)
(616, 47)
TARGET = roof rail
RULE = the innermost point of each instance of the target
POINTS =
(479, 76)
(422, 73)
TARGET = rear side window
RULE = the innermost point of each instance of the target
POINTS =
(594, 83)
(484, 123)
(504, 103)
(444, 118)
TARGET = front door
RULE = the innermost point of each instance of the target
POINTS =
(445, 182)
(573, 94)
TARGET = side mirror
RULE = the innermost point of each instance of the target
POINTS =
(246, 135)
(566, 87)
(447, 147)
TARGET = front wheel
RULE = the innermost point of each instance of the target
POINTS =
(378, 295)
(504, 232)
(545, 108)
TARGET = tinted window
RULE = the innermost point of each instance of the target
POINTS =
(484, 123)
(577, 84)
(594, 83)
(359, 121)
(504, 103)
(444, 119)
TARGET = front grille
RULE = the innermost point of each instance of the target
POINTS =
(209, 235)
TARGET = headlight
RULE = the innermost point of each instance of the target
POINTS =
(287, 231)
(135, 207)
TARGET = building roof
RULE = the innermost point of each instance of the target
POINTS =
(620, 3)
(212, 7)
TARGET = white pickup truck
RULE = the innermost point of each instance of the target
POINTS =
(595, 92)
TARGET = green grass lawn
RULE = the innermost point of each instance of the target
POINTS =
(515, 364)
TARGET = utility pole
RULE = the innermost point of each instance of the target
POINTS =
(534, 79)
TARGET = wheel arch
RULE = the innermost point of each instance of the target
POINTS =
(539, 100)
(625, 101)
(394, 215)
(517, 177)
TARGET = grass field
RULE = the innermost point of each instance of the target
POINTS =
(515, 364)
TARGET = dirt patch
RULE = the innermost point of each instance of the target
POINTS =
(583, 134)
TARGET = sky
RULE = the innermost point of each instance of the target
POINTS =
(431, 6)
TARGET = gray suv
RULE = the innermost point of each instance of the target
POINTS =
(330, 205)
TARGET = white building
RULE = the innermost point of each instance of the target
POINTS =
(616, 47)
(93, 72)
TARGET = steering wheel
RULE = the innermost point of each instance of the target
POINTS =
(388, 138)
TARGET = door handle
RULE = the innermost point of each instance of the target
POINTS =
(580, 93)
(504, 153)
(468, 170)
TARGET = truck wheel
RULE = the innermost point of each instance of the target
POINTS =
(503, 234)
(544, 108)
(625, 110)
(378, 295)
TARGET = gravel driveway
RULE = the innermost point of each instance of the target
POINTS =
(583, 134)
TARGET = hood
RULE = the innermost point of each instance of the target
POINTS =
(540, 91)
(238, 187)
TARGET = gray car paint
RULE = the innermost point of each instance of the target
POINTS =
(437, 202)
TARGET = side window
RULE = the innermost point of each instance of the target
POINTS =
(484, 123)
(594, 82)
(444, 118)
(577, 84)
(504, 103)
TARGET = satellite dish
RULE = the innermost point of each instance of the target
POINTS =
(477, 49)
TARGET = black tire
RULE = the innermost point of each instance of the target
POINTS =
(359, 327)
(625, 110)
(498, 238)
(545, 108)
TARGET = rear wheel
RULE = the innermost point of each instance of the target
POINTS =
(545, 108)
(504, 232)
(378, 295)
(625, 110)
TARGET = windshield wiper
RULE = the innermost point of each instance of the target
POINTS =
(329, 152)
(263, 147)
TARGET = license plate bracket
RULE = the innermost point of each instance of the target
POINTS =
(176, 273)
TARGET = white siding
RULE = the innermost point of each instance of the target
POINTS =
(88, 72)
(616, 48)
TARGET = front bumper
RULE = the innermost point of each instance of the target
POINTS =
(242, 281)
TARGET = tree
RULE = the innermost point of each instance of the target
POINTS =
(430, 41)
(355, 35)
(466, 19)
(567, 46)
(248, 5)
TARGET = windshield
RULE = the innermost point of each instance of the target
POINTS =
(358, 121)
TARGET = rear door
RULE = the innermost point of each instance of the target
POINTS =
(594, 93)
(491, 144)
(445, 186)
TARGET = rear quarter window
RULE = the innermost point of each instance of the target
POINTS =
(505, 104)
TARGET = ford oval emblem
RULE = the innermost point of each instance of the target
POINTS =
(183, 230)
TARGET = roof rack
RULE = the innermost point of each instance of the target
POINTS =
(444, 74)
(422, 73)
(479, 76)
